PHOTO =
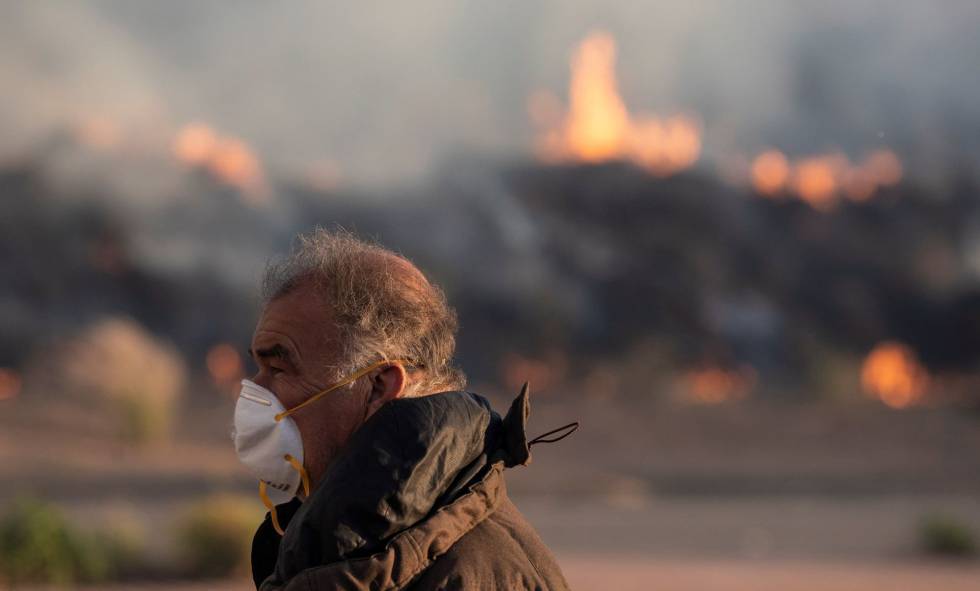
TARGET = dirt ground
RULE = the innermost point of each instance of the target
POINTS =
(759, 498)
(588, 573)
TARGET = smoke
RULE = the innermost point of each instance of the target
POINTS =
(388, 91)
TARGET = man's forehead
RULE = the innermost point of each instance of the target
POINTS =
(300, 320)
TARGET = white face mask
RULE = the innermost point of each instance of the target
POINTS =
(268, 441)
(271, 449)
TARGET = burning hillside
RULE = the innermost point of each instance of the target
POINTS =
(598, 127)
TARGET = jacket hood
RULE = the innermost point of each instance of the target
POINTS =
(411, 458)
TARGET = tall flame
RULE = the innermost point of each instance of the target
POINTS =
(892, 373)
(598, 127)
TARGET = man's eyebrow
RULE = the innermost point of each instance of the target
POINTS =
(277, 351)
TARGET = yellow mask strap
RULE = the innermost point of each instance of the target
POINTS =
(343, 382)
(268, 502)
(270, 507)
(302, 472)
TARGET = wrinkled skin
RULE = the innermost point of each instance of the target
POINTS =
(295, 348)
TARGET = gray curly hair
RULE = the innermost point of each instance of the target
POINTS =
(383, 306)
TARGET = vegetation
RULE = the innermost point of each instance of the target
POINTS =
(38, 545)
(122, 371)
(944, 535)
(215, 536)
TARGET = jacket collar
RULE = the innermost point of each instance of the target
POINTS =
(412, 458)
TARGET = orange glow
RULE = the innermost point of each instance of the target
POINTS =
(225, 365)
(819, 180)
(233, 162)
(598, 127)
(542, 374)
(815, 180)
(98, 132)
(892, 373)
(598, 124)
(665, 146)
(324, 175)
(715, 385)
(194, 144)
(859, 185)
(10, 383)
(770, 172)
(884, 167)
(229, 159)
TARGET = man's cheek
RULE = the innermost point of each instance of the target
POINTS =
(290, 392)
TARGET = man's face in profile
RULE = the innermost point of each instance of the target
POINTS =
(295, 349)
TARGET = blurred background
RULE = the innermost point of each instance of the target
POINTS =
(739, 241)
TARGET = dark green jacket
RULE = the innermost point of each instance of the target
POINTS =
(416, 501)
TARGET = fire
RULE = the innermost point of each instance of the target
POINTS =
(225, 366)
(892, 373)
(884, 167)
(770, 172)
(542, 374)
(227, 158)
(822, 179)
(715, 385)
(598, 127)
(10, 383)
(234, 162)
(815, 180)
(194, 144)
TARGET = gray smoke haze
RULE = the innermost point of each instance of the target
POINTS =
(389, 91)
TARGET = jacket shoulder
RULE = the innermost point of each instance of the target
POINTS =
(502, 552)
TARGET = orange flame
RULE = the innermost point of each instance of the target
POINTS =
(598, 127)
(770, 172)
(229, 159)
(10, 383)
(225, 366)
(715, 385)
(194, 144)
(598, 123)
(815, 179)
(892, 373)
(884, 167)
(820, 180)
(542, 374)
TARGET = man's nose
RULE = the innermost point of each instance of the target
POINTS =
(262, 378)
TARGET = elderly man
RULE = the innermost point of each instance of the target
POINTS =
(379, 472)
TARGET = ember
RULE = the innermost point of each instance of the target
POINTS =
(892, 373)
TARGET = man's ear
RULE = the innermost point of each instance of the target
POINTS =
(387, 384)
